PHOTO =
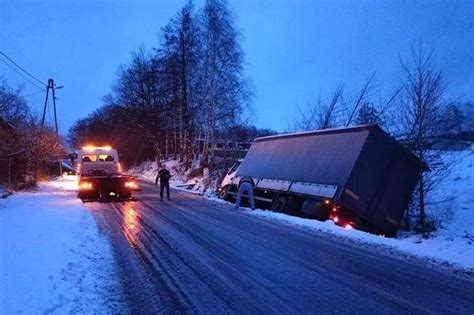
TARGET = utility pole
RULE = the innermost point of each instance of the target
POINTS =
(51, 86)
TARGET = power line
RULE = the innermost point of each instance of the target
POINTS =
(19, 67)
(21, 74)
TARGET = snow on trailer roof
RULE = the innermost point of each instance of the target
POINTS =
(337, 130)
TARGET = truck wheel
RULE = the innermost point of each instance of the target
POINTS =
(223, 193)
(279, 204)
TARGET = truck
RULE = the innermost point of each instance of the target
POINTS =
(358, 177)
(100, 174)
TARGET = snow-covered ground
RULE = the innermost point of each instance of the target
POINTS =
(179, 178)
(451, 204)
(148, 171)
(52, 258)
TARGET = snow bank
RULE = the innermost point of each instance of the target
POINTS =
(52, 259)
(148, 171)
(458, 252)
(180, 178)
(452, 201)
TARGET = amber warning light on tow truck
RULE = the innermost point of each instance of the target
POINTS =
(92, 148)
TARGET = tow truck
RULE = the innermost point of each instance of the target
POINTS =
(100, 174)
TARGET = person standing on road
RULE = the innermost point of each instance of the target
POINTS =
(245, 189)
(164, 176)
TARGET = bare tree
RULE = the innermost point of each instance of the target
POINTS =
(223, 85)
(180, 55)
(368, 114)
(422, 113)
(360, 99)
(321, 114)
(13, 108)
(140, 97)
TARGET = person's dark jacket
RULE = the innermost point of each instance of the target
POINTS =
(164, 176)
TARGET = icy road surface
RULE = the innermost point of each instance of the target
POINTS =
(197, 255)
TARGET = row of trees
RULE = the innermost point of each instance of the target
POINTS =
(418, 113)
(190, 89)
(26, 148)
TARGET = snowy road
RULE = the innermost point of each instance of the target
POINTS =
(197, 255)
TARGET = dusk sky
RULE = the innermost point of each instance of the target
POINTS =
(294, 49)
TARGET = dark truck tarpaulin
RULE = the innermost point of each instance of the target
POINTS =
(362, 168)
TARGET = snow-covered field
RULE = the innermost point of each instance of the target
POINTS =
(451, 204)
(52, 258)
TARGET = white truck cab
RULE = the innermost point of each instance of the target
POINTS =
(227, 181)
(93, 159)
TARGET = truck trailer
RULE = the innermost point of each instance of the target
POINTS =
(100, 174)
(359, 177)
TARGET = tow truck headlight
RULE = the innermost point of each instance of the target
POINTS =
(131, 185)
(86, 186)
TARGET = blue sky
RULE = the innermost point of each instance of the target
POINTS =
(294, 49)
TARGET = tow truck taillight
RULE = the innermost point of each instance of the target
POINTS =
(86, 186)
(131, 184)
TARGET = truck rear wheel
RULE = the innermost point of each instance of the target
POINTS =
(279, 204)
